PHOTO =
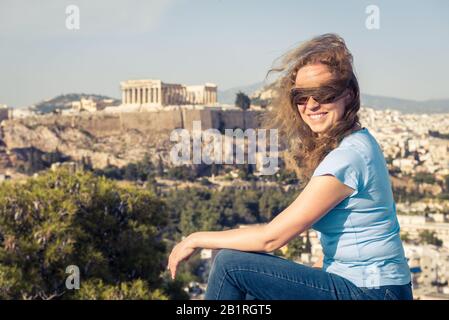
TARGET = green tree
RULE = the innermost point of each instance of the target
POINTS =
(190, 210)
(430, 237)
(287, 177)
(59, 219)
(130, 172)
(181, 173)
(246, 172)
(405, 236)
(295, 248)
(424, 177)
(272, 202)
(243, 102)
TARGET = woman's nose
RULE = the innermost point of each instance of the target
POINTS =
(312, 103)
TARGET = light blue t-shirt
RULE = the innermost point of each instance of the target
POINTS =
(360, 236)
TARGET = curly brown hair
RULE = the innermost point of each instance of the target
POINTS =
(305, 148)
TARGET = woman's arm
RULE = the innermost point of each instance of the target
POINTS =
(251, 238)
(320, 195)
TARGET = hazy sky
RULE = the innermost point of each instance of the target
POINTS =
(228, 42)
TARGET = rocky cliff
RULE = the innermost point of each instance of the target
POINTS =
(108, 139)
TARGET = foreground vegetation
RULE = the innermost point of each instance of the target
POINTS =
(118, 235)
(111, 233)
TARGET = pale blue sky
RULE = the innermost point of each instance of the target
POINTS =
(228, 42)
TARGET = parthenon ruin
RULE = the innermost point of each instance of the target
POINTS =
(157, 93)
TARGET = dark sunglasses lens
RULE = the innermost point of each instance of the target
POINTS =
(300, 100)
(322, 96)
(329, 99)
(298, 97)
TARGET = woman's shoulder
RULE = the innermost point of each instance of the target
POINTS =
(362, 135)
(361, 142)
(346, 164)
(350, 160)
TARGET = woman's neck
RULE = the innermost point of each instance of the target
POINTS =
(356, 128)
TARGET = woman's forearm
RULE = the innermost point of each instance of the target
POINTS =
(251, 238)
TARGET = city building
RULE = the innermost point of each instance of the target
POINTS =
(414, 225)
(84, 105)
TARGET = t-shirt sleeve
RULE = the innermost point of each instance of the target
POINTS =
(346, 165)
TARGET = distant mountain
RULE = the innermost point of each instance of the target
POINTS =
(404, 105)
(373, 101)
(64, 101)
(228, 96)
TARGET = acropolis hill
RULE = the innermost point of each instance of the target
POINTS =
(117, 135)
(116, 138)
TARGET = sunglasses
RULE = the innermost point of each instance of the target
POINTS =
(323, 95)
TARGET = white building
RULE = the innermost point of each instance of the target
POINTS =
(148, 93)
(84, 105)
(414, 225)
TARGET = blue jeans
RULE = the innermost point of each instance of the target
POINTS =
(239, 275)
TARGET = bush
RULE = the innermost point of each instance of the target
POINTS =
(135, 290)
(59, 219)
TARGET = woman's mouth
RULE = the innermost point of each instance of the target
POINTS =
(317, 116)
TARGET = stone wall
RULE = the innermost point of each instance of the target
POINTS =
(107, 124)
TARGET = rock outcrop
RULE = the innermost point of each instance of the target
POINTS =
(111, 139)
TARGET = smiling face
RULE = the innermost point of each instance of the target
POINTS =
(319, 117)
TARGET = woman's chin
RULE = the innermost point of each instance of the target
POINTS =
(318, 128)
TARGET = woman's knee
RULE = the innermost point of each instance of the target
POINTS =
(227, 257)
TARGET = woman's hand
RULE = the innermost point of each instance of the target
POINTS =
(182, 251)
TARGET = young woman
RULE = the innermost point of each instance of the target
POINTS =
(348, 198)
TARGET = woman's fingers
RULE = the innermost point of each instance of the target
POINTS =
(173, 262)
(178, 254)
(173, 272)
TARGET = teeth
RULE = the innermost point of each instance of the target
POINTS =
(317, 116)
